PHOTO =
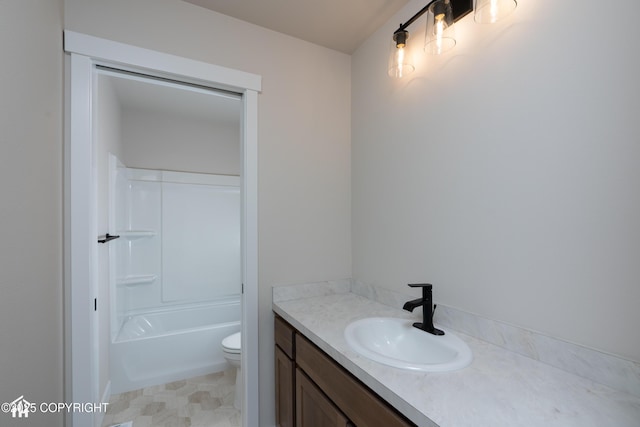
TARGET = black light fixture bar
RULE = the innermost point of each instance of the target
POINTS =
(460, 9)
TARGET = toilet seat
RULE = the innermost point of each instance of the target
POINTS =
(232, 343)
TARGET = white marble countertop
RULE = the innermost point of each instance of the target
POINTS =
(499, 389)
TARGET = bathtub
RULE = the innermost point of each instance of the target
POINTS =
(169, 345)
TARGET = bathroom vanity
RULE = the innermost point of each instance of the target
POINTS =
(321, 381)
(312, 390)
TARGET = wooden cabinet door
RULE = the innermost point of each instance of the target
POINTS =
(284, 390)
(313, 409)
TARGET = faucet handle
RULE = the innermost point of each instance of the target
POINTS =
(420, 285)
(426, 289)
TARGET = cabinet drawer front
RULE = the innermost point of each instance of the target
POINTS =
(283, 333)
(359, 404)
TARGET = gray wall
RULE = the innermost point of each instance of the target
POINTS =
(31, 207)
(506, 171)
(155, 140)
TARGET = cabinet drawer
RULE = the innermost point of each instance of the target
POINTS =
(283, 333)
(354, 399)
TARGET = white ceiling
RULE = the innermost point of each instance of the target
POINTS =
(337, 24)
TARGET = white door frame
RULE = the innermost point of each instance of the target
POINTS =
(84, 52)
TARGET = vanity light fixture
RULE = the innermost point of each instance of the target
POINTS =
(439, 36)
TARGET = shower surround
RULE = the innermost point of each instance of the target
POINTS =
(175, 274)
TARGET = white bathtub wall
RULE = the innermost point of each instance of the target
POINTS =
(139, 250)
(180, 240)
(200, 241)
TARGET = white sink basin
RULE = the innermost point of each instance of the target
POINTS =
(395, 342)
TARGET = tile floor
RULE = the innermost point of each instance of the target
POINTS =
(205, 401)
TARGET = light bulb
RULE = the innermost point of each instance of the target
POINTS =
(493, 11)
(400, 59)
(439, 31)
(399, 63)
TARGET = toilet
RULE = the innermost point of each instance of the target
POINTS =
(231, 347)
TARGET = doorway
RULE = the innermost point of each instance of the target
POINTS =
(82, 363)
(168, 186)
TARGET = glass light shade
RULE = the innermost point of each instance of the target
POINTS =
(440, 35)
(490, 11)
(400, 63)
